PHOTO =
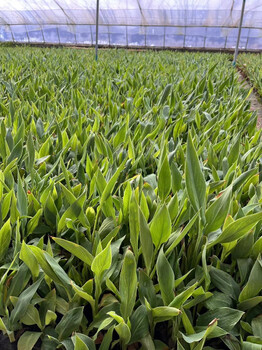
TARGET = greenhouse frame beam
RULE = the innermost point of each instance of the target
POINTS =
(239, 31)
(97, 20)
(133, 25)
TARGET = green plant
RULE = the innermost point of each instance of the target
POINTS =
(130, 201)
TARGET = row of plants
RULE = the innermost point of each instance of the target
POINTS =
(250, 64)
(130, 202)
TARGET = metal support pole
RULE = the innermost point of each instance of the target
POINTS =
(239, 31)
(97, 20)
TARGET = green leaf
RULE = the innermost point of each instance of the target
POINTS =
(227, 317)
(86, 340)
(238, 229)
(164, 179)
(146, 241)
(166, 278)
(139, 324)
(250, 346)
(165, 94)
(73, 212)
(177, 237)
(201, 336)
(5, 238)
(28, 340)
(29, 259)
(179, 300)
(217, 212)
(164, 313)
(80, 345)
(124, 332)
(23, 301)
(31, 317)
(160, 226)
(106, 342)
(110, 185)
(128, 285)
(69, 323)
(21, 198)
(31, 151)
(254, 283)
(195, 181)
(16, 152)
(50, 267)
(33, 223)
(75, 249)
(224, 282)
(134, 223)
(102, 261)
(249, 303)
(256, 324)
(50, 317)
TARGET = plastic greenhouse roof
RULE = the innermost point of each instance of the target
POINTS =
(161, 23)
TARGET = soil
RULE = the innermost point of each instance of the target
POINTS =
(254, 98)
(5, 343)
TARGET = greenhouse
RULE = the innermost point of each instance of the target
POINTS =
(155, 23)
(130, 174)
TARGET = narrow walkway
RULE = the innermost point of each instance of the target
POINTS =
(254, 98)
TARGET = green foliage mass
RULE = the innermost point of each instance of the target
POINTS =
(130, 202)
(251, 64)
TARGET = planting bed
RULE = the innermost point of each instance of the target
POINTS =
(130, 202)
(251, 64)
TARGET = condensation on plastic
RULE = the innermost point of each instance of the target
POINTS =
(160, 23)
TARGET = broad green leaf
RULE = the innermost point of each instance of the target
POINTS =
(85, 339)
(227, 317)
(134, 223)
(164, 179)
(5, 238)
(124, 332)
(29, 259)
(139, 324)
(50, 317)
(146, 241)
(128, 285)
(28, 340)
(80, 345)
(31, 317)
(256, 324)
(238, 228)
(160, 226)
(201, 336)
(166, 278)
(73, 212)
(179, 300)
(21, 198)
(110, 185)
(164, 313)
(69, 323)
(50, 267)
(102, 261)
(250, 346)
(177, 237)
(254, 283)
(217, 212)
(75, 249)
(23, 301)
(33, 223)
(195, 180)
(224, 282)
(165, 94)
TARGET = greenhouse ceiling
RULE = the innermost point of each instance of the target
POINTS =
(151, 23)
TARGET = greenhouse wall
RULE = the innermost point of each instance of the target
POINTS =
(177, 23)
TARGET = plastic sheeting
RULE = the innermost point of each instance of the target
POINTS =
(159, 23)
